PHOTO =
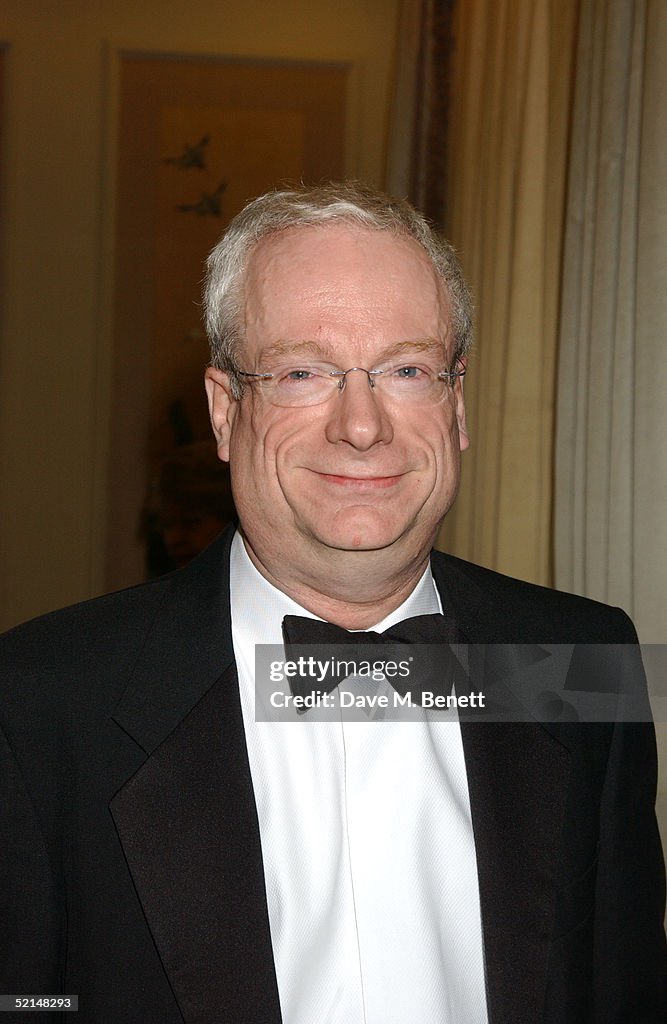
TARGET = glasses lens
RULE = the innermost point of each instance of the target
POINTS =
(414, 382)
(407, 380)
(301, 385)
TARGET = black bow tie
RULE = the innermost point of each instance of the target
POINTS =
(422, 629)
(435, 670)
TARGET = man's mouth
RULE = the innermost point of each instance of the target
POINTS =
(361, 483)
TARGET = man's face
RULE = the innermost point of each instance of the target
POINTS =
(360, 472)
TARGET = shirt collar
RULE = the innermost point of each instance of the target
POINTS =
(258, 608)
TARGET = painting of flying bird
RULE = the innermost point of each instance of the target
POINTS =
(209, 204)
(192, 156)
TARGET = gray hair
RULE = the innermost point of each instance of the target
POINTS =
(304, 206)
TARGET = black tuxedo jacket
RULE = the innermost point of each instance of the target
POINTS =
(130, 860)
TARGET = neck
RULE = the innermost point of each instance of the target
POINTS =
(358, 595)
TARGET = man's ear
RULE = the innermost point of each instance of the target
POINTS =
(221, 407)
(464, 438)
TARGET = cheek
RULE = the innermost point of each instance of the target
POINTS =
(289, 440)
(445, 453)
(265, 447)
(249, 443)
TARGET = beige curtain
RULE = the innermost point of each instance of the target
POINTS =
(611, 469)
(508, 136)
(611, 478)
(417, 156)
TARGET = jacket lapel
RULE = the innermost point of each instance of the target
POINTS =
(187, 818)
(517, 780)
(188, 825)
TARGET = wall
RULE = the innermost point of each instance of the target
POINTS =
(58, 212)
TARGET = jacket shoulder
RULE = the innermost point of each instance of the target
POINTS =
(112, 619)
(510, 610)
(78, 658)
(117, 624)
(83, 656)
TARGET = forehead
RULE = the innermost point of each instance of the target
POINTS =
(342, 283)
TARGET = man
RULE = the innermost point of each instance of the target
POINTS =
(169, 858)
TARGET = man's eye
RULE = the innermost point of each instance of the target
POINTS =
(409, 373)
(297, 375)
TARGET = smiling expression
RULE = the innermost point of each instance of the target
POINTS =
(359, 472)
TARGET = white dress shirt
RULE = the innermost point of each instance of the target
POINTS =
(367, 843)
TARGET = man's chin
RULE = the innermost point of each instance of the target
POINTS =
(362, 536)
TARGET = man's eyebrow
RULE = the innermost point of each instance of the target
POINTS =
(317, 348)
(411, 347)
(296, 348)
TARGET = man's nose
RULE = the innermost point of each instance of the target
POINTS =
(357, 413)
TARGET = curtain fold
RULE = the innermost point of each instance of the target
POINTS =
(611, 479)
(417, 154)
(508, 138)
